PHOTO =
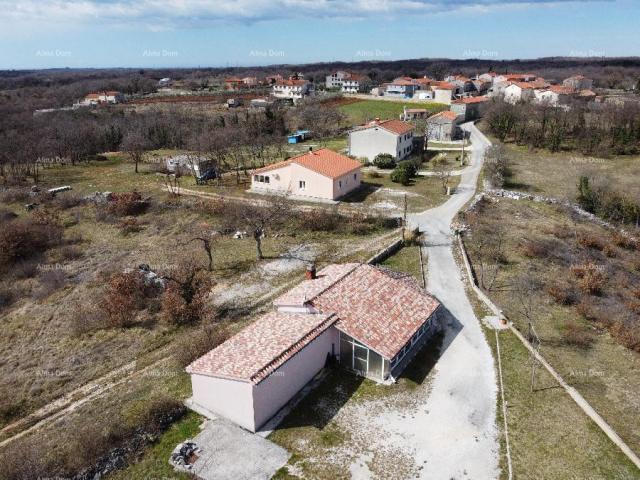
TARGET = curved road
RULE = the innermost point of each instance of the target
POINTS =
(463, 393)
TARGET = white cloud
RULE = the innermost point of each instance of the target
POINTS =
(159, 14)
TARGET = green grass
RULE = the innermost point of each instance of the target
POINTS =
(550, 437)
(407, 260)
(154, 462)
(366, 110)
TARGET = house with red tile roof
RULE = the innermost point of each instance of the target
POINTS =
(394, 137)
(100, 98)
(519, 92)
(322, 175)
(371, 320)
(578, 82)
(469, 108)
(293, 88)
(443, 126)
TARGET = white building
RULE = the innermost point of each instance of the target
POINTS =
(578, 82)
(100, 98)
(336, 314)
(336, 79)
(292, 89)
(394, 137)
(317, 175)
(518, 92)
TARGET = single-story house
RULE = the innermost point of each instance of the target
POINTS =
(413, 113)
(394, 137)
(370, 319)
(318, 174)
(403, 87)
(101, 98)
(442, 127)
(578, 82)
(469, 108)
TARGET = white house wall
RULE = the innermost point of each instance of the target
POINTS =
(345, 184)
(275, 391)
(228, 398)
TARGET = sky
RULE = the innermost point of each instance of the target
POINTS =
(219, 33)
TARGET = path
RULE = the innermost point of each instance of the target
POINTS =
(464, 389)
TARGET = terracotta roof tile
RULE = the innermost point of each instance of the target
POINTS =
(378, 307)
(323, 161)
(307, 290)
(472, 100)
(448, 114)
(258, 350)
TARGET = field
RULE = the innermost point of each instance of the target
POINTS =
(557, 174)
(578, 333)
(367, 110)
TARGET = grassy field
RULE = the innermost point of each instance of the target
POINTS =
(549, 436)
(407, 259)
(557, 174)
(367, 110)
(575, 336)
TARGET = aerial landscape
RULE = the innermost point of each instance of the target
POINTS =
(379, 239)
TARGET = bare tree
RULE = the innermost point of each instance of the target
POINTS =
(271, 213)
(135, 144)
(442, 171)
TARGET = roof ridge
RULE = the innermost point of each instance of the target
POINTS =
(331, 285)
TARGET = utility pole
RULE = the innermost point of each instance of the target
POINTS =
(404, 218)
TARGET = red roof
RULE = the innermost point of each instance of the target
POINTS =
(397, 127)
(524, 85)
(443, 86)
(258, 350)
(561, 90)
(291, 83)
(378, 307)
(448, 114)
(323, 161)
(472, 100)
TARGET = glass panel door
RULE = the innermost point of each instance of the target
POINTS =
(360, 355)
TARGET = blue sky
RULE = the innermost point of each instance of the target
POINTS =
(187, 33)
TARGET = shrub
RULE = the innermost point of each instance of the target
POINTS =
(385, 161)
(67, 200)
(409, 166)
(129, 225)
(7, 215)
(15, 195)
(126, 204)
(400, 175)
(610, 251)
(561, 293)
(184, 300)
(590, 241)
(629, 336)
(577, 335)
(319, 220)
(8, 294)
(23, 239)
(533, 249)
(374, 174)
(123, 297)
(591, 278)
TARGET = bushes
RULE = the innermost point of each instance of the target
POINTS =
(561, 293)
(22, 239)
(126, 204)
(577, 335)
(533, 249)
(385, 161)
(124, 296)
(400, 175)
(591, 278)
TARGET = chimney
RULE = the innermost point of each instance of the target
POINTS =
(310, 274)
(311, 149)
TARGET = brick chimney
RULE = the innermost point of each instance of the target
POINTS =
(310, 274)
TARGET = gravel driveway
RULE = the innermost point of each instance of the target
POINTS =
(460, 431)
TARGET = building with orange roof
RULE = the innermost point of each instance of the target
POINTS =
(469, 108)
(368, 319)
(101, 98)
(394, 137)
(519, 92)
(293, 89)
(578, 82)
(443, 126)
(322, 175)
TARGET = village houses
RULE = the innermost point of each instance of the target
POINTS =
(293, 89)
(370, 320)
(393, 137)
(443, 126)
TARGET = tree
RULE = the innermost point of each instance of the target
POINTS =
(135, 144)
(184, 300)
(271, 213)
(496, 166)
(384, 160)
(442, 171)
(207, 240)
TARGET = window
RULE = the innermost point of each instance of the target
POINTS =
(355, 176)
(302, 184)
(266, 179)
(340, 183)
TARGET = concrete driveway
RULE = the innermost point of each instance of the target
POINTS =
(232, 453)
(463, 392)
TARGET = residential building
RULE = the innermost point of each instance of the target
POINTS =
(463, 86)
(413, 113)
(271, 79)
(336, 79)
(292, 89)
(578, 82)
(403, 87)
(250, 82)
(443, 92)
(101, 98)
(443, 126)
(554, 95)
(519, 92)
(233, 83)
(469, 108)
(394, 137)
(372, 320)
(164, 82)
(322, 175)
